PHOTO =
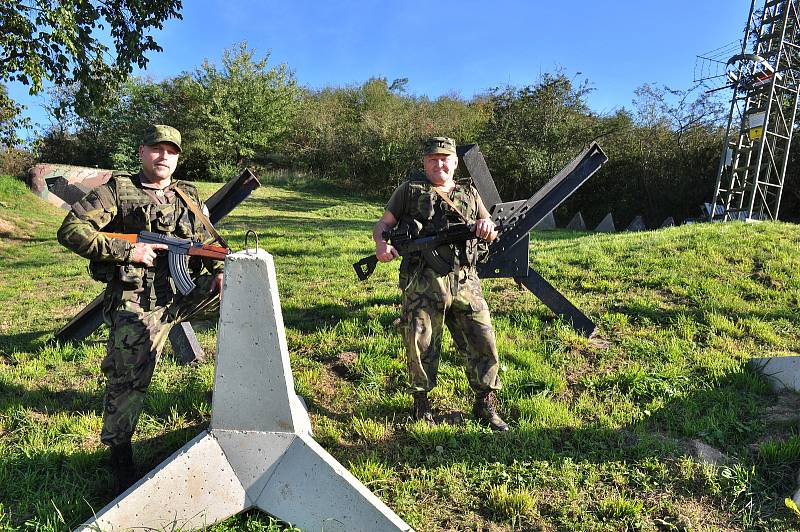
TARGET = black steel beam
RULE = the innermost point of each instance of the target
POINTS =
(556, 302)
(235, 191)
(481, 177)
(508, 255)
(85, 322)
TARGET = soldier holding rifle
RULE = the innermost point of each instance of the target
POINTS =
(441, 287)
(141, 301)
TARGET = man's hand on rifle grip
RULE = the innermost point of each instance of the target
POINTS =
(146, 253)
(385, 252)
(485, 229)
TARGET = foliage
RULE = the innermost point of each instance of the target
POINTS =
(534, 130)
(229, 118)
(108, 136)
(663, 152)
(15, 161)
(369, 136)
(663, 157)
(63, 43)
(10, 119)
(238, 113)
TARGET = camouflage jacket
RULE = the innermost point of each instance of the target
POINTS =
(416, 203)
(122, 206)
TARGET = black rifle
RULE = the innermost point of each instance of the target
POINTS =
(405, 244)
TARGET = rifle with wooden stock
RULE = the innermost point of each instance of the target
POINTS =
(179, 250)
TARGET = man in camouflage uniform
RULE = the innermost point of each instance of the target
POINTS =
(442, 287)
(141, 303)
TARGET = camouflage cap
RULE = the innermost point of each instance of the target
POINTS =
(161, 133)
(439, 145)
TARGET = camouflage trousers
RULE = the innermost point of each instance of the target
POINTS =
(136, 338)
(430, 302)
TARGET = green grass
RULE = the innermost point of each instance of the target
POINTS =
(598, 427)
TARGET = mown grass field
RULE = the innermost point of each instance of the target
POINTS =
(600, 429)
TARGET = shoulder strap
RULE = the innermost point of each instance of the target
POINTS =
(200, 216)
(452, 205)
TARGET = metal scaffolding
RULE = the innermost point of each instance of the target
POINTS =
(765, 78)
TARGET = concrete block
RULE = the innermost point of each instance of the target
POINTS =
(548, 222)
(192, 489)
(782, 372)
(606, 225)
(253, 390)
(669, 222)
(577, 223)
(313, 491)
(258, 451)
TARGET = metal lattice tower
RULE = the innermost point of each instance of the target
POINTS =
(766, 83)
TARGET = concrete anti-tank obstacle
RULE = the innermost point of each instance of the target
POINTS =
(782, 373)
(258, 451)
(546, 223)
(637, 224)
(606, 225)
(577, 223)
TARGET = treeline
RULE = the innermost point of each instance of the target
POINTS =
(663, 151)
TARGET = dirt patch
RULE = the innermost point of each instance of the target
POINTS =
(785, 409)
(329, 397)
(8, 229)
(344, 364)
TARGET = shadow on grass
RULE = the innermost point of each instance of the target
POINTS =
(77, 484)
(665, 317)
(46, 400)
(309, 319)
(27, 342)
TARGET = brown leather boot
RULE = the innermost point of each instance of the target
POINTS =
(422, 408)
(122, 467)
(485, 411)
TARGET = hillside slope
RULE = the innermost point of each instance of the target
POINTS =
(604, 432)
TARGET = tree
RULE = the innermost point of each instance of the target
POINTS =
(10, 119)
(535, 130)
(237, 113)
(62, 42)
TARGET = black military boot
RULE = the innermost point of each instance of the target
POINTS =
(485, 411)
(422, 408)
(122, 466)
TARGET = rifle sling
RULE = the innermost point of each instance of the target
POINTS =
(451, 204)
(200, 216)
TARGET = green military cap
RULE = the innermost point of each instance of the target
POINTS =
(161, 133)
(439, 145)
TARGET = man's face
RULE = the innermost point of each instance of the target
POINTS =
(440, 167)
(159, 160)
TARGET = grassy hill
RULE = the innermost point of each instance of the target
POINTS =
(602, 431)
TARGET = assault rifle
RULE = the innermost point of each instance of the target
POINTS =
(403, 242)
(180, 249)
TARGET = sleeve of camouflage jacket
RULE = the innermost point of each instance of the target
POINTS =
(80, 230)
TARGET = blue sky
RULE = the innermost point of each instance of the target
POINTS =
(461, 47)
